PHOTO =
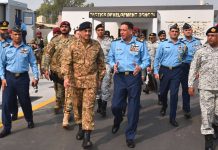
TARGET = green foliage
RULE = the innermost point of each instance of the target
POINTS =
(51, 8)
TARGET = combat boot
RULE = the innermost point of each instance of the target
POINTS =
(103, 108)
(99, 105)
(215, 135)
(80, 133)
(66, 119)
(57, 107)
(86, 140)
(209, 142)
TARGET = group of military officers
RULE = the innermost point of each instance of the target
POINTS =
(82, 68)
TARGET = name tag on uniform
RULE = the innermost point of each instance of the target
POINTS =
(24, 51)
(118, 49)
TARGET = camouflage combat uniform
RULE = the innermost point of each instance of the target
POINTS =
(85, 66)
(152, 47)
(52, 58)
(205, 64)
(104, 92)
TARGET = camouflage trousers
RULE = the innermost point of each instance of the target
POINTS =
(59, 93)
(104, 93)
(68, 106)
(83, 106)
(209, 110)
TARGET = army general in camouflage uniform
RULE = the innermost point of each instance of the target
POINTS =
(104, 92)
(205, 66)
(52, 58)
(83, 68)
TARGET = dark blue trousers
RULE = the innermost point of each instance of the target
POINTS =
(16, 87)
(170, 80)
(14, 107)
(184, 83)
(127, 86)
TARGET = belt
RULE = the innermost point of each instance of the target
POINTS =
(126, 73)
(16, 75)
(170, 68)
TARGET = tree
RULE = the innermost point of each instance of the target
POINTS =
(52, 8)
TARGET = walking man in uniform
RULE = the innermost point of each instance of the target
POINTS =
(127, 57)
(167, 68)
(4, 42)
(14, 67)
(104, 92)
(204, 66)
(83, 68)
(192, 44)
(52, 66)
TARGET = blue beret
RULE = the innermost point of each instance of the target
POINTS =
(186, 26)
(161, 32)
(4, 25)
(175, 26)
(16, 29)
(212, 30)
(85, 25)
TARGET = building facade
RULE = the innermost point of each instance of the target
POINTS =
(147, 18)
(14, 11)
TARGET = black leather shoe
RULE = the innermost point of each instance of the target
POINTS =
(163, 111)
(187, 115)
(174, 123)
(30, 124)
(86, 140)
(209, 145)
(4, 133)
(130, 143)
(115, 128)
(14, 117)
(80, 133)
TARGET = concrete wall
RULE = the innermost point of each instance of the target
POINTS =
(75, 18)
(200, 20)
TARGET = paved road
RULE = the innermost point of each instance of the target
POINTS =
(154, 132)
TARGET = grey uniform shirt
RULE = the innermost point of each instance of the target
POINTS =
(105, 45)
(205, 63)
(152, 47)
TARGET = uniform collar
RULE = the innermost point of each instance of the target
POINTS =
(192, 39)
(12, 45)
(133, 40)
(170, 41)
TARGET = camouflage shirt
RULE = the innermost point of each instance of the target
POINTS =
(86, 64)
(152, 47)
(205, 64)
(53, 53)
(105, 45)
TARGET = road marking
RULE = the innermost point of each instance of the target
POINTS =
(35, 107)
